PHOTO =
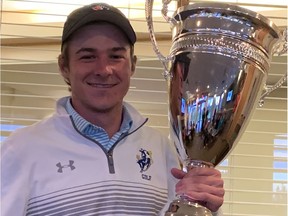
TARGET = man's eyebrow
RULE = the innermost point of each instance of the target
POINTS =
(85, 49)
(89, 49)
(119, 49)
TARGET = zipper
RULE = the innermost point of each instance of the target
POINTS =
(111, 162)
(109, 154)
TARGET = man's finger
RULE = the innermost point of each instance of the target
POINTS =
(177, 173)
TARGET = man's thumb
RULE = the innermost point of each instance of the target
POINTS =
(177, 173)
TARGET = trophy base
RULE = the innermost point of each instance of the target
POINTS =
(183, 207)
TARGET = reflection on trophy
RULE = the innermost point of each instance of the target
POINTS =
(216, 71)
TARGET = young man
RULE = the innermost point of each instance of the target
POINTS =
(95, 155)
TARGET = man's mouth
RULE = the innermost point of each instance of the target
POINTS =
(101, 85)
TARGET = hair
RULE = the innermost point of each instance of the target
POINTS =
(63, 61)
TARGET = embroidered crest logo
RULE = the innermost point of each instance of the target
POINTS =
(61, 167)
(144, 159)
(100, 7)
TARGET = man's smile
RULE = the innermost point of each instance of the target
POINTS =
(101, 85)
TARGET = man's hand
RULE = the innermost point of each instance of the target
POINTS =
(201, 184)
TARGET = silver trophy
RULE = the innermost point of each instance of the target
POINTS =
(216, 72)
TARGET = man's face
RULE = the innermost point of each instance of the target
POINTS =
(99, 67)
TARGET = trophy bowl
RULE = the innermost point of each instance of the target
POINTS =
(216, 71)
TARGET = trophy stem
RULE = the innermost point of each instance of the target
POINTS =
(186, 207)
(190, 164)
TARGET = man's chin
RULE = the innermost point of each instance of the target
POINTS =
(104, 108)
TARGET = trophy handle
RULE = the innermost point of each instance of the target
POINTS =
(148, 13)
(280, 50)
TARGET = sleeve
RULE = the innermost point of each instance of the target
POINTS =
(14, 181)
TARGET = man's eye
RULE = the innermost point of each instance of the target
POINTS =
(87, 57)
(117, 56)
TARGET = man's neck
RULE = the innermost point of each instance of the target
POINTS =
(109, 120)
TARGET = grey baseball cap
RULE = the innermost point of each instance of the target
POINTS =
(94, 13)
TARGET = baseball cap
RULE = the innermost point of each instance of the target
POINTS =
(94, 13)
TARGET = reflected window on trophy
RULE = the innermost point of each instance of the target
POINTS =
(280, 173)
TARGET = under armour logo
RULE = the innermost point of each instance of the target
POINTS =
(61, 167)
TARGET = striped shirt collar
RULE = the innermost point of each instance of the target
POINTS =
(81, 123)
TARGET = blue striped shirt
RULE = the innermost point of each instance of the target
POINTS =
(97, 133)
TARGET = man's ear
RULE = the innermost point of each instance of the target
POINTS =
(133, 66)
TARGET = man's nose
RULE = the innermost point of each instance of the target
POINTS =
(103, 67)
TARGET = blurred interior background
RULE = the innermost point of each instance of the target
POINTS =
(255, 173)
